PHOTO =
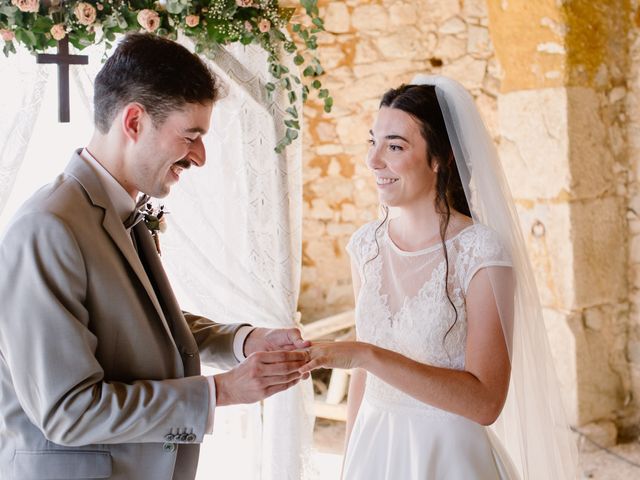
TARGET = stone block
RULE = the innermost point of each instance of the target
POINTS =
(403, 13)
(578, 251)
(598, 435)
(437, 11)
(452, 26)
(478, 41)
(591, 158)
(406, 44)
(564, 352)
(332, 56)
(391, 67)
(325, 132)
(365, 52)
(475, 8)
(535, 142)
(546, 229)
(337, 17)
(320, 210)
(469, 71)
(450, 48)
(370, 17)
(598, 236)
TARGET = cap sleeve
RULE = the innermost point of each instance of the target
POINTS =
(359, 245)
(483, 249)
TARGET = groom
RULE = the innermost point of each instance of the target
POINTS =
(99, 367)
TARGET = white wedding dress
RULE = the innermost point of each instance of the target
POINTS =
(402, 306)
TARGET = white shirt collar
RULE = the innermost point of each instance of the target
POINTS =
(121, 200)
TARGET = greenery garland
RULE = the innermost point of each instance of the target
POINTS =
(39, 25)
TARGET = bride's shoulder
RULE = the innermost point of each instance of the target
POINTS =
(368, 231)
(480, 239)
(364, 237)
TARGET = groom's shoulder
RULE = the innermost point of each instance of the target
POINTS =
(63, 196)
(63, 199)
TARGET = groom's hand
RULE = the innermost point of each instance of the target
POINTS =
(261, 375)
(269, 340)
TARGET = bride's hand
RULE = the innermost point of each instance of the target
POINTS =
(344, 355)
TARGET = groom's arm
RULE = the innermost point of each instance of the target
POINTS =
(220, 345)
(50, 352)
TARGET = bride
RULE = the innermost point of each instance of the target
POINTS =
(450, 334)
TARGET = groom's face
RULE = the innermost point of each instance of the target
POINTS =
(165, 150)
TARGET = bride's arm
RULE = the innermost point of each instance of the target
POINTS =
(478, 392)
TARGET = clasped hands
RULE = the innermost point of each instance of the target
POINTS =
(277, 359)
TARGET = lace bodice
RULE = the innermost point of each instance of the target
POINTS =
(402, 305)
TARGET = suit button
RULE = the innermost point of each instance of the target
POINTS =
(183, 437)
(169, 447)
(191, 438)
(169, 438)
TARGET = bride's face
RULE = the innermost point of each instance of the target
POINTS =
(398, 158)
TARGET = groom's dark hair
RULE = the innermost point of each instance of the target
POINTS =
(155, 72)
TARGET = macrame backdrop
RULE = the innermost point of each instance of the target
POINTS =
(233, 244)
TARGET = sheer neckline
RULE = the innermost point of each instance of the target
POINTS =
(422, 251)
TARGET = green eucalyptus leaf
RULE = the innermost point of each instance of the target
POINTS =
(298, 59)
(291, 134)
(328, 104)
(9, 47)
(42, 25)
(292, 97)
(293, 111)
(316, 84)
(26, 37)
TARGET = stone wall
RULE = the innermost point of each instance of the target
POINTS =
(632, 103)
(369, 47)
(563, 145)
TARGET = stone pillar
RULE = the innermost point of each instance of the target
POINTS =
(561, 122)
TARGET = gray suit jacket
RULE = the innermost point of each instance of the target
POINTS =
(99, 367)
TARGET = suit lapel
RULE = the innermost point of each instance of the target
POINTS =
(84, 174)
(181, 333)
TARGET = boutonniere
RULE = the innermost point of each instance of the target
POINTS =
(156, 222)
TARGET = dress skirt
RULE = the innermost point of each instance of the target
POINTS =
(403, 443)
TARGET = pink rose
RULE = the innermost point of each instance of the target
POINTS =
(244, 3)
(192, 20)
(27, 5)
(58, 32)
(247, 25)
(149, 20)
(264, 25)
(100, 7)
(85, 13)
(7, 35)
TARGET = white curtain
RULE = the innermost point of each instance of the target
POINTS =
(233, 244)
(23, 84)
(233, 248)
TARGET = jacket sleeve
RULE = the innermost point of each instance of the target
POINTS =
(215, 340)
(49, 350)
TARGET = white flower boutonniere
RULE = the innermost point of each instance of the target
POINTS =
(156, 221)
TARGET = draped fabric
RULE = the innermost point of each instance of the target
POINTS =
(23, 84)
(232, 249)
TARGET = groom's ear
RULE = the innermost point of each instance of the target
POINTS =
(132, 120)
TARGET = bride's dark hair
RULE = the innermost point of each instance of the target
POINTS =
(421, 102)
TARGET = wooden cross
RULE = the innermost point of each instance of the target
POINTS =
(63, 59)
